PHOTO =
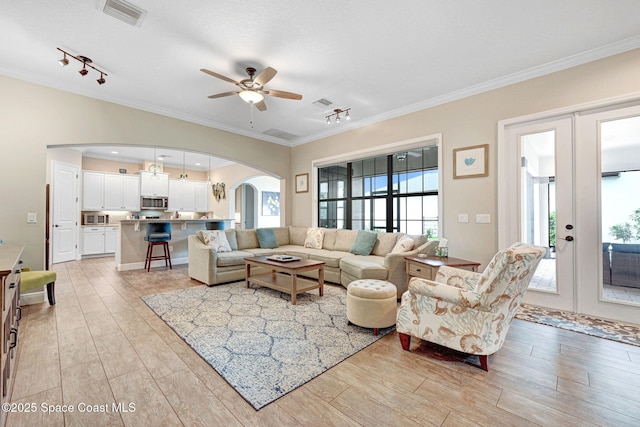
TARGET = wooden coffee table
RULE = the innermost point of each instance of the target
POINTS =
(284, 275)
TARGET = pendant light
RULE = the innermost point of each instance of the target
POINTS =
(183, 176)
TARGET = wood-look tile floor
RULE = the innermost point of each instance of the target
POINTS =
(101, 345)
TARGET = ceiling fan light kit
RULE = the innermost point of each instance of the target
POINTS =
(86, 62)
(252, 90)
(337, 113)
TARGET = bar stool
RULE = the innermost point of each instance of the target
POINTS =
(158, 233)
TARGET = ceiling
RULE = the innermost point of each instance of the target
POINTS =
(380, 58)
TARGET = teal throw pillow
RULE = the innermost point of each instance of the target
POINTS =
(364, 243)
(267, 238)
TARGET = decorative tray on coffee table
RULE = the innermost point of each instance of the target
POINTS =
(283, 258)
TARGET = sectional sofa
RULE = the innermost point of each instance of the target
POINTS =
(211, 265)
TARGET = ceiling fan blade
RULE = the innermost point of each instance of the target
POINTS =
(265, 75)
(283, 94)
(221, 95)
(219, 76)
(261, 106)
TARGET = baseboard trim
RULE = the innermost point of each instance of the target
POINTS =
(32, 297)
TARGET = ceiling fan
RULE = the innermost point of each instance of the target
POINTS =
(252, 89)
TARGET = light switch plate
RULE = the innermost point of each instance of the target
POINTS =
(32, 217)
(463, 218)
(483, 218)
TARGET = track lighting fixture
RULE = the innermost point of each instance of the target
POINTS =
(337, 113)
(86, 62)
(64, 61)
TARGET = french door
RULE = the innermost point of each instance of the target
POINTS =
(542, 172)
(570, 183)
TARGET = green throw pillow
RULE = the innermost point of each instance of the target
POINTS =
(364, 243)
(267, 238)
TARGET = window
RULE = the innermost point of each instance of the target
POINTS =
(393, 192)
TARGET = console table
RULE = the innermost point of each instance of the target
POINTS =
(427, 267)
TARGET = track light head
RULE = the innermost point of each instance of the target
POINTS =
(84, 71)
(64, 61)
(101, 80)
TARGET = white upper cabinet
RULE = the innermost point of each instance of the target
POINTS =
(92, 190)
(121, 192)
(154, 185)
(188, 196)
(201, 190)
(109, 191)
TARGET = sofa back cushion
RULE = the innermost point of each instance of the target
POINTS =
(231, 238)
(384, 243)
(282, 235)
(344, 239)
(247, 239)
(297, 235)
(266, 238)
(329, 241)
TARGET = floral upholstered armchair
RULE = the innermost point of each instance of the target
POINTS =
(467, 311)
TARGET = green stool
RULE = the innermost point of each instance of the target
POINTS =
(35, 279)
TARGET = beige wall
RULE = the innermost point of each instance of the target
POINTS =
(33, 117)
(473, 121)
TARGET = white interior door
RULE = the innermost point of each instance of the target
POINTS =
(64, 215)
(540, 168)
(608, 207)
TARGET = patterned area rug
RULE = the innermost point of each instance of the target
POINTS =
(627, 333)
(263, 346)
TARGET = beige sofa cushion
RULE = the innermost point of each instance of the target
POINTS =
(226, 259)
(329, 241)
(247, 239)
(364, 267)
(282, 235)
(297, 235)
(330, 258)
(344, 239)
(384, 243)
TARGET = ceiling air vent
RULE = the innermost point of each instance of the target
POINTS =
(280, 134)
(124, 11)
(322, 103)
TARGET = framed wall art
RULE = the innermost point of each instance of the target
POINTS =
(302, 183)
(471, 162)
(270, 203)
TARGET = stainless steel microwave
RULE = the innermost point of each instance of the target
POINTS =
(157, 203)
(93, 219)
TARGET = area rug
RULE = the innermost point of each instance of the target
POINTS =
(263, 346)
(627, 333)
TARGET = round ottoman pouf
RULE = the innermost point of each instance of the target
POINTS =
(372, 303)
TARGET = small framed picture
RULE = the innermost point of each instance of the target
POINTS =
(302, 183)
(471, 162)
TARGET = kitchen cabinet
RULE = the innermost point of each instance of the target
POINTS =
(93, 239)
(92, 190)
(201, 190)
(121, 192)
(110, 191)
(10, 267)
(99, 240)
(182, 196)
(110, 239)
(154, 185)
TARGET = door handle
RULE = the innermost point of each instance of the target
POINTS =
(56, 225)
(568, 238)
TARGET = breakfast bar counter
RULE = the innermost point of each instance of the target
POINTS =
(131, 248)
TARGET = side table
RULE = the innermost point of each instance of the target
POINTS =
(427, 267)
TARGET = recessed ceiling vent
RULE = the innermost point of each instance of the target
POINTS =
(124, 11)
(280, 134)
(322, 103)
